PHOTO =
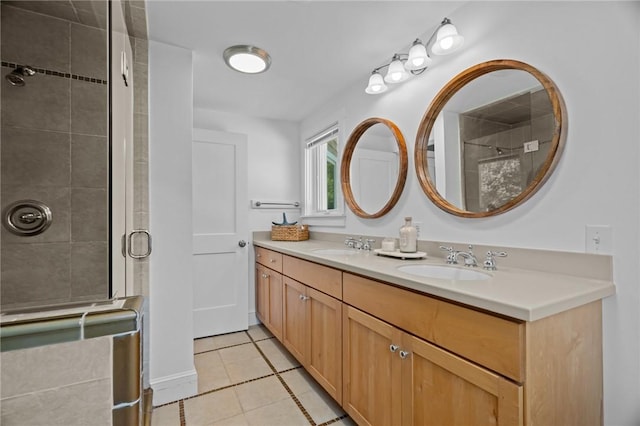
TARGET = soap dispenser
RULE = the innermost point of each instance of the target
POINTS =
(408, 236)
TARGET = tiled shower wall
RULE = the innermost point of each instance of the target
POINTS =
(483, 137)
(55, 150)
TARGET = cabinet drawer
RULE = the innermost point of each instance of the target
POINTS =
(322, 278)
(270, 259)
(488, 340)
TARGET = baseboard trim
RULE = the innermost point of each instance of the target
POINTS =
(253, 319)
(175, 387)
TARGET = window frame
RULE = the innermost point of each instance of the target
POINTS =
(315, 166)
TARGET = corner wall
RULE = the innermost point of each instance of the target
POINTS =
(173, 374)
(596, 181)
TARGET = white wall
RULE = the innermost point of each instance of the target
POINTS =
(173, 375)
(274, 169)
(597, 180)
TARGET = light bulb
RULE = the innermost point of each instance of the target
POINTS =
(418, 58)
(376, 84)
(396, 72)
(447, 39)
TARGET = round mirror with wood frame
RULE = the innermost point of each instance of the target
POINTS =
(346, 169)
(478, 163)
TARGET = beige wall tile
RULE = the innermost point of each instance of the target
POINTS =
(89, 215)
(35, 157)
(35, 273)
(89, 161)
(42, 103)
(89, 108)
(36, 369)
(90, 270)
(47, 43)
(88, 51)
(87, 403)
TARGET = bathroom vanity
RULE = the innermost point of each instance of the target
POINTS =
(521, 347)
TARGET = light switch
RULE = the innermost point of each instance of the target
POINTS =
(599, 239)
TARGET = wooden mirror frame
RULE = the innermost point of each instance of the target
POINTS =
(345, 167)
(450, 89)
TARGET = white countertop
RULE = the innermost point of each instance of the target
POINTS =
(517, 293)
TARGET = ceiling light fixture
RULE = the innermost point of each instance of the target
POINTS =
(444, 40)
(247, 59)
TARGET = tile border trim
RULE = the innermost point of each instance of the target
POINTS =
(59, 74)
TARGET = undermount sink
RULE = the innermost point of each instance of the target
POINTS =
(336, 252)
(445, 272)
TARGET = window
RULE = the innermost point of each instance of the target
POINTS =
(323, 196)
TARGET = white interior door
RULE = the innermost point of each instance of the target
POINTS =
(220, 232)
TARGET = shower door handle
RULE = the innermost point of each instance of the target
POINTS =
(130, 245)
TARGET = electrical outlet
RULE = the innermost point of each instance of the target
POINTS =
(531, 146)
(417, 225)
(599, 239)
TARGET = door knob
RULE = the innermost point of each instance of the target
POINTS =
(242, 243)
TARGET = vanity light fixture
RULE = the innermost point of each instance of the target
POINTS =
(247, 59)
(444, 40)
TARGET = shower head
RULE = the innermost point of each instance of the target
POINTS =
(16, 77)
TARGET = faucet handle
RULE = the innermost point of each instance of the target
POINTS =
(367, 244)
(451, 257)
(490, 262)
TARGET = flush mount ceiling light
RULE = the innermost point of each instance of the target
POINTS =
(247, 59)
(444, 40)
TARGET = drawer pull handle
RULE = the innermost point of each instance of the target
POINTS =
(404, 354)
(303, 297)
(393, 348)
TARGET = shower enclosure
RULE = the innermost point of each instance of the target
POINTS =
(67, 152)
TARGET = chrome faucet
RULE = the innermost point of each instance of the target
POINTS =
(358, 244)
(469, 257)
(367, 244)
(350, 242)
(453, 255)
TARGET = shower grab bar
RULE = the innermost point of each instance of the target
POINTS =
(259, 204)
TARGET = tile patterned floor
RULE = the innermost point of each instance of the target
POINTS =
(246, 379)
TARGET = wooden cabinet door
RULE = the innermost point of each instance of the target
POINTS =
(372, 370)
(294, 322)
(262, 293)
(269, 299)
(324, 315)
(439, 388)
(275, 304)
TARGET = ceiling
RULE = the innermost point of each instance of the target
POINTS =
(318, 48)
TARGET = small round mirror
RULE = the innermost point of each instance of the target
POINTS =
(490, 138)
(374, 168)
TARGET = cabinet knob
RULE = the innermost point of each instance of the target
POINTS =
(404, 354)
(272, 260)
(303, 297)
(265, 276)
(258, 255)
(393, 348)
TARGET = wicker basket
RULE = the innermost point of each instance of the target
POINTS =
(290, 233)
